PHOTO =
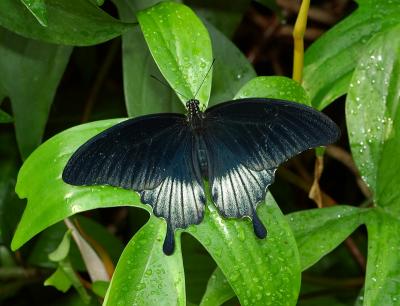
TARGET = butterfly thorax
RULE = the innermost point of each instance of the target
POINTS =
(194, 114)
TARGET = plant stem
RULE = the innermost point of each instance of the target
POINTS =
(298, 36)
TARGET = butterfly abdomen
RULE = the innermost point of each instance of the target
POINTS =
(201, 154)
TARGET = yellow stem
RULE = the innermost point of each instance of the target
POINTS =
(298, 36)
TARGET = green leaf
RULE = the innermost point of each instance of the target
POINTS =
(383, 267)
(143, 94)
(59, 280)
(330, 61)
(100, 288)
(144, 274)
(231, 68)
(72, 22)
(49, 239)
(260, 271)
(61, 252)
(64, 200)
(64, 277)
(275, 87)
(318, 231)
(10, 206)
(373, 118)
(225, 15)
(218, 290)
(38, 9)
(30, 72)
(5, 118)
(183, 57)
(198, 266)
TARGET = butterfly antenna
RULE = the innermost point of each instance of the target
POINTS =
(167, 85)
(209, 69)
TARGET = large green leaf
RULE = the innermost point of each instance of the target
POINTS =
(198, 266)
(260, 271)
(143, 94)
(330, 61)
(145, 275)
(275, 87)
(58, 200)
(30, 73)
(183, 57)
(318, 231)
(231, 68)
(72, 22)
(218, 290)
(383, 266)
(38, 9)
(373, 118)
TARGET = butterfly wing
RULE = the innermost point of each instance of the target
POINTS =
(248, 139)
(152, 155)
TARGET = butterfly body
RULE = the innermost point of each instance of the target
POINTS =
(236, 146)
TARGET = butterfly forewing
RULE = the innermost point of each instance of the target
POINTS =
(248, 139)
(152, 155)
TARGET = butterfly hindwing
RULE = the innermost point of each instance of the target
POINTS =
(182, 190)
(151, 155)
(248, 139)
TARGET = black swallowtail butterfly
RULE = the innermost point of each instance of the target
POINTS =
(237, 146)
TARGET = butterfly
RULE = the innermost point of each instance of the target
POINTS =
(236, 146)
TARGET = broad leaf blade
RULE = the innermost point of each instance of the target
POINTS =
(373, 118)
(318, 231)
(330, 61)
(38, 9)
(143, 94)
(30, 72)
(59, 280)
(260, 271)
(64, 200)
(144, 274)
(183, 57)
(383, 266)
(218, 290)
(275, 87)
(231, 68)
(72, 22)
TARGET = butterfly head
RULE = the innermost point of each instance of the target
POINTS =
(194, 114)
(193, 107)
